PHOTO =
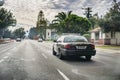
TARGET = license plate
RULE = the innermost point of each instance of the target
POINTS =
(81, 47)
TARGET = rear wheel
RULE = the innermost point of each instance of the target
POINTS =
(54, 53)
(88, 57)
(60, 56)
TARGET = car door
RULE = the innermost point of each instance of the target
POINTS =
(57, 44)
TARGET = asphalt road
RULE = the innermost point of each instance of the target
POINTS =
(32, 60)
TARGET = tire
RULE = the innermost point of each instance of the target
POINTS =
(88, 58)
(54, 53)
(60, 56)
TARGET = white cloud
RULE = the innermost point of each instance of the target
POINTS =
(26, 11)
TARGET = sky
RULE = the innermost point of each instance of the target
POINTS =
(26, 11)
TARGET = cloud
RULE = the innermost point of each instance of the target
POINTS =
(26, 11)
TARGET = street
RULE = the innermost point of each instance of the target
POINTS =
(33, 60)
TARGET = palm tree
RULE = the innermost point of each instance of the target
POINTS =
(62, 20)
(70, 23)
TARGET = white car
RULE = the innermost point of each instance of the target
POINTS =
(18, 39)
(40, 40)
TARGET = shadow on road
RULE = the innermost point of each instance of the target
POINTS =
(82, 61)
(15, 74)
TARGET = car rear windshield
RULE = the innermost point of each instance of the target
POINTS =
(75, 39)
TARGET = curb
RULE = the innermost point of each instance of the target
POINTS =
(108, 50)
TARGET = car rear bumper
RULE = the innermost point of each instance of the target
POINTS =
(78, 52)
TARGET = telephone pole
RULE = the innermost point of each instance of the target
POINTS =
(88, 11)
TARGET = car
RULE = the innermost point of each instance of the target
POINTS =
(40, 40)
(18, 39)
(73, 45)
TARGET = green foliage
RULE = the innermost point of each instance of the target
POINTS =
(70, 23)
(94, 21)
(6, 18)
(87, 36)
(111, 21)
(7, 33)
(19, 33)
(41, 25)
(33, 32)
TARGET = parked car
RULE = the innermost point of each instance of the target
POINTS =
(73, 45)
(40, 40)
(18, 39)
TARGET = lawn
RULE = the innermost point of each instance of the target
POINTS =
(109, 47)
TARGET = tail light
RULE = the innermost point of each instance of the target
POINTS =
(67, 46)
(93, 46)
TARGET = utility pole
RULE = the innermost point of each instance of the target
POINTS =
(88, 11)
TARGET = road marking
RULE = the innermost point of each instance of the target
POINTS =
(5, 50)
(1, 60)
(27, 59)
(75, 71)
(63, 75)
(5, 57)
(14, 49)
(8, 53)
(44, 56)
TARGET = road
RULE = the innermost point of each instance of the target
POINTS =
(32, 60)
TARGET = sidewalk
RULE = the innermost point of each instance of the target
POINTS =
(6, 41)
(115, 49)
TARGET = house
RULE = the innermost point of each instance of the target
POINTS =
(98, 37)
(48, 34)
(113, 38)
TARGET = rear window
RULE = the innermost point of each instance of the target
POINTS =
(75, 39)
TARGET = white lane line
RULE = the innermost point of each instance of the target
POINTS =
(44, 56)
(5, 50)
(75, 71)
(8, 53)
(63, 75)
(1, 60)
(5, 57)
(14, 49)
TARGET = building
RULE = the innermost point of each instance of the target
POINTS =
(98, 37)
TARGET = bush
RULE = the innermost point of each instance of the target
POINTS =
(87, 36)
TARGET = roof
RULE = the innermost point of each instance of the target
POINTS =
(95, 30)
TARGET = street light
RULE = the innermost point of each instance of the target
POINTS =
(1, 2)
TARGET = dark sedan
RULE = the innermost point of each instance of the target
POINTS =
(73, 45)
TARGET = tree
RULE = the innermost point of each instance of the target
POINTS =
(7, 33)
(41, 25)
(6, 18)
(111, 21)
(61, 22)
(19, 33)
(33, 32)
(70, 23)
(94, 20)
